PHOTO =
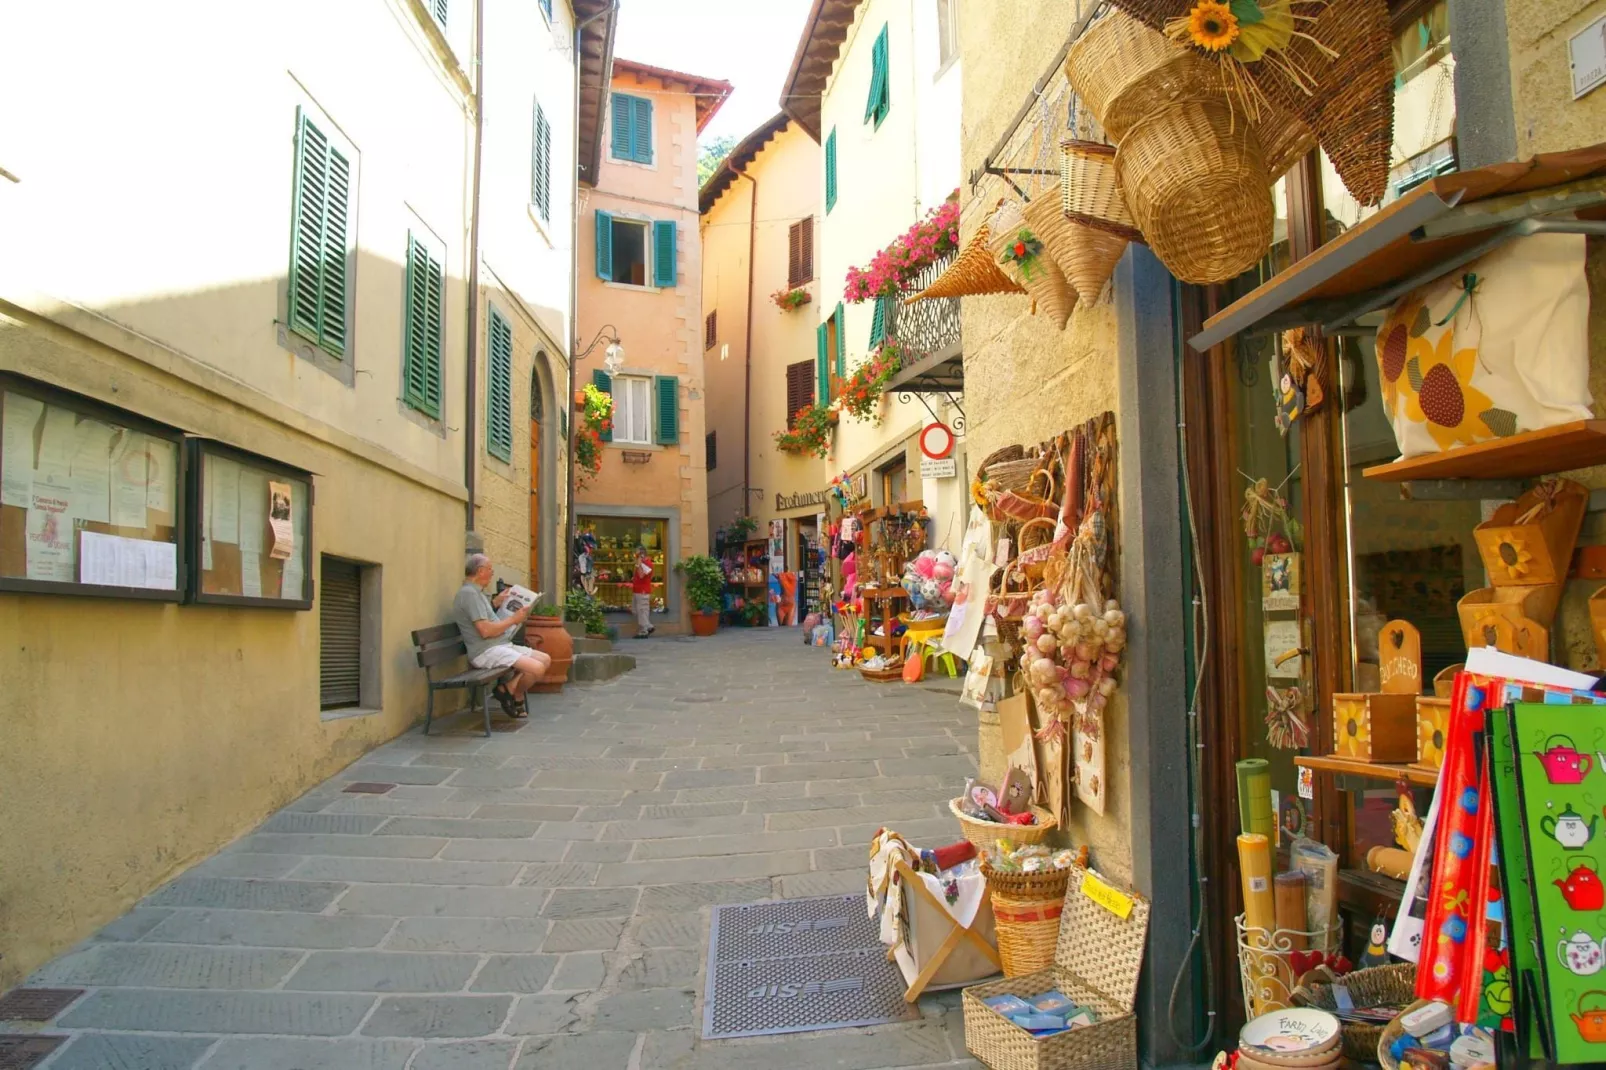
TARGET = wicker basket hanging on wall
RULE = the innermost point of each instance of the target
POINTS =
(1090, 192)
(1123, 70)
(974, 272)
(1051, 292)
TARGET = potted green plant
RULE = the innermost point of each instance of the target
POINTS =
(742, 527)
(705, 590)
(545, 632)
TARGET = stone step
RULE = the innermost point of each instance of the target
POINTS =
(587, 645)
(593, 668)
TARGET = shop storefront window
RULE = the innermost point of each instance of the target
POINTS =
(617, 539)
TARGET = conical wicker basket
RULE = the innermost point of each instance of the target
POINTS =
(1197, 185)
(1090, 192)
(1046, 219)
(974, 272)
(1123, 71)
(1048, 287)
(1284, 139)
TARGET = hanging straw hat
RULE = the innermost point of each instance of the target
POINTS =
(974, 272)
(1041, 276)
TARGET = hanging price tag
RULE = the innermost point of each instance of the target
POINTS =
(1117, 903)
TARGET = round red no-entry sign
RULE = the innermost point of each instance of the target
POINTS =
(936, 441)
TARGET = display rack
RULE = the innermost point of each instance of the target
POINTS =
(1580, 444)
(620, 561)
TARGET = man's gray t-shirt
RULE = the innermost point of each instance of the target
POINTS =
(471, 605)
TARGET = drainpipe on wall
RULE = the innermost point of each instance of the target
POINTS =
(471, 379)
(747, 348)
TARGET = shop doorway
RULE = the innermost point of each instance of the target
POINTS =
(544, 519)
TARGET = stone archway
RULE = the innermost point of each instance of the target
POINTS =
(545, 439)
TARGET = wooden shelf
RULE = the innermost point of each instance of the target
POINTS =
(1368, 770)
(1581, 444)
(1366, 892)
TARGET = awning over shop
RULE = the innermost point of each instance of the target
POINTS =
(1443, 224)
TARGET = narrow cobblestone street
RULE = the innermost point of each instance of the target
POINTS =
(539, 899)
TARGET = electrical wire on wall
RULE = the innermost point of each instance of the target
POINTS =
(1201, 656)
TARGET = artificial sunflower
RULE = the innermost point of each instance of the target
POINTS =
(1514, 556)
(1394, 340)
(1429, 740)
(1354, 728)
(1212, 26)
(1446, 401)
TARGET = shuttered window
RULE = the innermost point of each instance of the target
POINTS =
(830, 172)
(604, 382)
(421, 344)
(878, 323)
(340, 634)
(880, 100)
(663, 253)
(666, 409)
(320, 213)
(438, 8)
(799, 390)
(541, 164)
(710, 329)
(631, 137)
(822, 362)
(839, 323)
(800, 252)
(499, 389)
(710, 451)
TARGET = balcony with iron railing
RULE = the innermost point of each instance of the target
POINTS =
(931, 327)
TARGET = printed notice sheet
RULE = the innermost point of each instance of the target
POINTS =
(20, 419)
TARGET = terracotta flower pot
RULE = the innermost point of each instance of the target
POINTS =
(704, 624)
(548, 635)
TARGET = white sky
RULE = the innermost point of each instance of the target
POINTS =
(749, 43)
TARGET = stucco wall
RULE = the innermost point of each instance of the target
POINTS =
(661, 329)
(1025, 381)
(1548, 119)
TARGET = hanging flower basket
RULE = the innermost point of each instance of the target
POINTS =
(810, 432)
(861, 393)
(788, 300)
(898, 265)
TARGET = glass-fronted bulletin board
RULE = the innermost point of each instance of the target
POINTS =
(253, 522)
(91, 499)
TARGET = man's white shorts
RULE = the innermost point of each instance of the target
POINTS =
(501, 656)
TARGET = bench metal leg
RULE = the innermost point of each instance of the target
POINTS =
(485, 705)
(429, 711)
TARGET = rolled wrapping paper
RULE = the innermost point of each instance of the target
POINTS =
(1260, 903)
(1289, 891)
(1254, 798)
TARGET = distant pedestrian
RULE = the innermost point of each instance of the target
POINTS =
(641, 593)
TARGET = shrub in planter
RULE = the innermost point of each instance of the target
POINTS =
(705, 590)
(585, 609)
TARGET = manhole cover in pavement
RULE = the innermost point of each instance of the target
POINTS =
(36, 1004)
(24, 1053)
(798, 964)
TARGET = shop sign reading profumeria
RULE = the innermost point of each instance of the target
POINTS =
(798, 501)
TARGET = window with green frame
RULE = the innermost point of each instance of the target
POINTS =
(830, 172)
(880, 100)
(438, 8)
(421, 337)
(319, 216)
(541, 164)
(546, 9)
(631, 137)
(499, 388)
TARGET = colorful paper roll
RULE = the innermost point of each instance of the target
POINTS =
(1289, 892)
(1260, 903)
(1255, 816)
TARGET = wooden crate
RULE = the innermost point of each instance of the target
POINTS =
(1432, 729)
(1374, 727)
(1530, 541)
(1515, 620)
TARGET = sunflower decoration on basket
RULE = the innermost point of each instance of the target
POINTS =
(1326, 65)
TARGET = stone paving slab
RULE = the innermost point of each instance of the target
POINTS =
(539, 900)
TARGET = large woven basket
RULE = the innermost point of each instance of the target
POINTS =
(1010, 475)
(1027, 930)
(1013, 452)
(985, 834)
(1380, 986)
(1047, 285)
(1096, 963)
(1090, 192)
(1123, 71)
(1046, 219)
(1197, 185)
(974, 272)
(1284, 139)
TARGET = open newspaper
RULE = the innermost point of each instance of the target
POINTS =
(519, 597)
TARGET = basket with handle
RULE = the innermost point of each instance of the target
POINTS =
(1012, 474)
(986, 834)
(1379, 986)
(1123, 70)
(1197, 185)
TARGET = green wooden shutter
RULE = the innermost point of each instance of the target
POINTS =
(841, 342)
(878, 323)
(320, 210)
(667, 409)
(641, 131)
(439, 8)
(822, 365)
(604, 245)
(622, 115)
(603, 382)
(499, 390)
(541, 165)
(663, 252)
(421, 360)
(885, 104)
(830, 172)
(546, 9)
(875, 107)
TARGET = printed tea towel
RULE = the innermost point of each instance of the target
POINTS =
(1498, 347)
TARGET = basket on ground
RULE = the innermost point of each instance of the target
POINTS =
(1380, 986)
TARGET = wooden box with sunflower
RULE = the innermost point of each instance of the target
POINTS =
(1530, 541)
(1515, 620)
(1381, 727)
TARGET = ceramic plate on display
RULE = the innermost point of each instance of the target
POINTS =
(1293, 1032)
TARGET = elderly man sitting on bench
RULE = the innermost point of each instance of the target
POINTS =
(488, 634)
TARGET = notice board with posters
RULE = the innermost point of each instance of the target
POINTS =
(252, 518)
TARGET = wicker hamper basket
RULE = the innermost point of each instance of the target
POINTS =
(1026, 909)
(1096, 963)
(986, 833)
(1380, 986)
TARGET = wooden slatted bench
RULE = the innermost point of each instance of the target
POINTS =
(443, 645)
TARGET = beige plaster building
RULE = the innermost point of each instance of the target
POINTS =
(761, 214)
(273, 293)
(639, 280)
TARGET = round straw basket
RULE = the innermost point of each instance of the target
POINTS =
(1038, 532)
(1010, 475)
(1090, 193)
(1013, 452)
(1197, 185)
(1380, 986)
(986, 833)
(1044, 885)
(1028, 931)
(1123, 71)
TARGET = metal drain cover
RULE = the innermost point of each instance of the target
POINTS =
(36, 1004)
(24, 1053)
(798, 964)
